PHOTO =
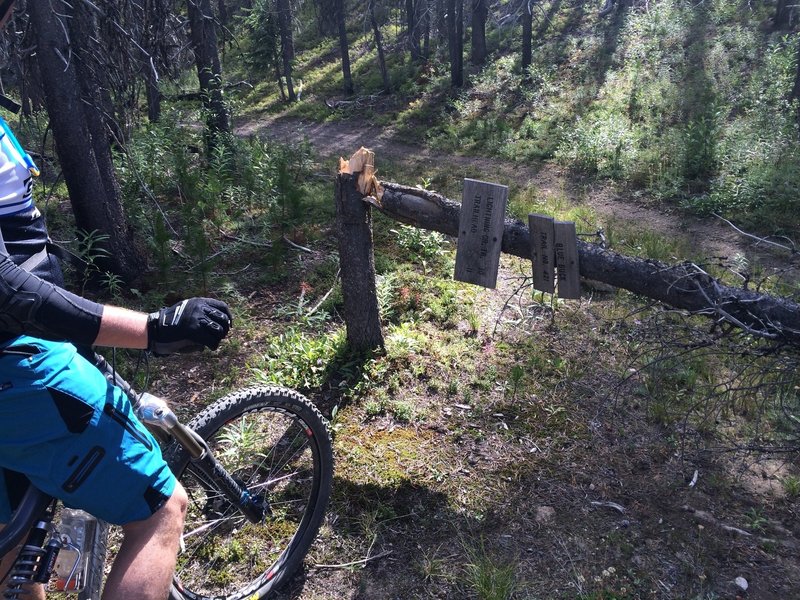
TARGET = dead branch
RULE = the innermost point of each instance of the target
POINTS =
(706, 517)
(761, 240)
(354, 563)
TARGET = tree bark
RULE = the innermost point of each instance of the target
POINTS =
(480, 12)
(344, 47)
(460, 41)
(794, 95)
(209, 71)
(357, 262)
(82, 144)
(326, 18)
(387, 86)
(455, 42)
(426, 28)
(155, 14)
(527, 35)
(782, 19)
(682, 286)
(413, 28)
(153, 99)
(284, 9)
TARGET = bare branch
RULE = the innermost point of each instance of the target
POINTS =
(761, 240)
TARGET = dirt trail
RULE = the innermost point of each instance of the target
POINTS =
(712, 239)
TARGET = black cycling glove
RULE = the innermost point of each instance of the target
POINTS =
(187, 326)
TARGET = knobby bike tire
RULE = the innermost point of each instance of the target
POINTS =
(274, 441)
(97, 559)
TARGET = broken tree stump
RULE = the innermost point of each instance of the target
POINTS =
(684, 286)
(356, 258)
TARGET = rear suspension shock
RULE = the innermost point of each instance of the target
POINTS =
(29, 562)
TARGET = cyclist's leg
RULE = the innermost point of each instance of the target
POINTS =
(75, 437)
(145, 563)
(35, 592)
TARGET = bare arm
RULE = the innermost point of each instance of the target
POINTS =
(122, 328)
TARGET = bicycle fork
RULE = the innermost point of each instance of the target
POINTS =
(155, 411)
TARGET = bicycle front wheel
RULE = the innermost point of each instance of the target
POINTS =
(277, 445)
(97, 559)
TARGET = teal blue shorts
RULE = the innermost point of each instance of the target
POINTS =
(74, 435)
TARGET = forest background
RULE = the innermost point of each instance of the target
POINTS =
(503, 444)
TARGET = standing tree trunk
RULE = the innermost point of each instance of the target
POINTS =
(425, 24)
(326, 18)
(344, 47)
(154, 14)
(527, 35)
(441, 25)
(222, 10)
(413, 29)
(480, 12)
(782, 19)
(460, 40)
(387, 86)
(455, 42)
(794, 95)
(82, 146)
(287, 45)
(153, 98)
(209, 71)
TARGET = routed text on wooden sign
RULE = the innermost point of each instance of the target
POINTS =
(480, 233)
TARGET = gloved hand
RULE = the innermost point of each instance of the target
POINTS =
(187, 326)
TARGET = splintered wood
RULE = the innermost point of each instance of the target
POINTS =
(363, 163)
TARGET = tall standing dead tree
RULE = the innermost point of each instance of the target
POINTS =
(480, 13)
(387, 86)
(414, 28)
(344, 47)
(284, 11)
(527, 34)
(455, 41)
(209, 71)
(81, 143)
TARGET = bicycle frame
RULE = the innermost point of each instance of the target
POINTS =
(34, 512)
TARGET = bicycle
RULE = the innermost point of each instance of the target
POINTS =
(257, 465)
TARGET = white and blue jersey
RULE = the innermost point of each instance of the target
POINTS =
(17, 171)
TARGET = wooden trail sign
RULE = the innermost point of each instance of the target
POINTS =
(543, 252)
(554, 254)
(566, 246)
(480, 232)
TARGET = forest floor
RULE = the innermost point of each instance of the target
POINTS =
(570, 490)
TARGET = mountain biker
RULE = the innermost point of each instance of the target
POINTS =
(62, 425)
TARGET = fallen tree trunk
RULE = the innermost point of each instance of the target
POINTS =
(684, 286)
